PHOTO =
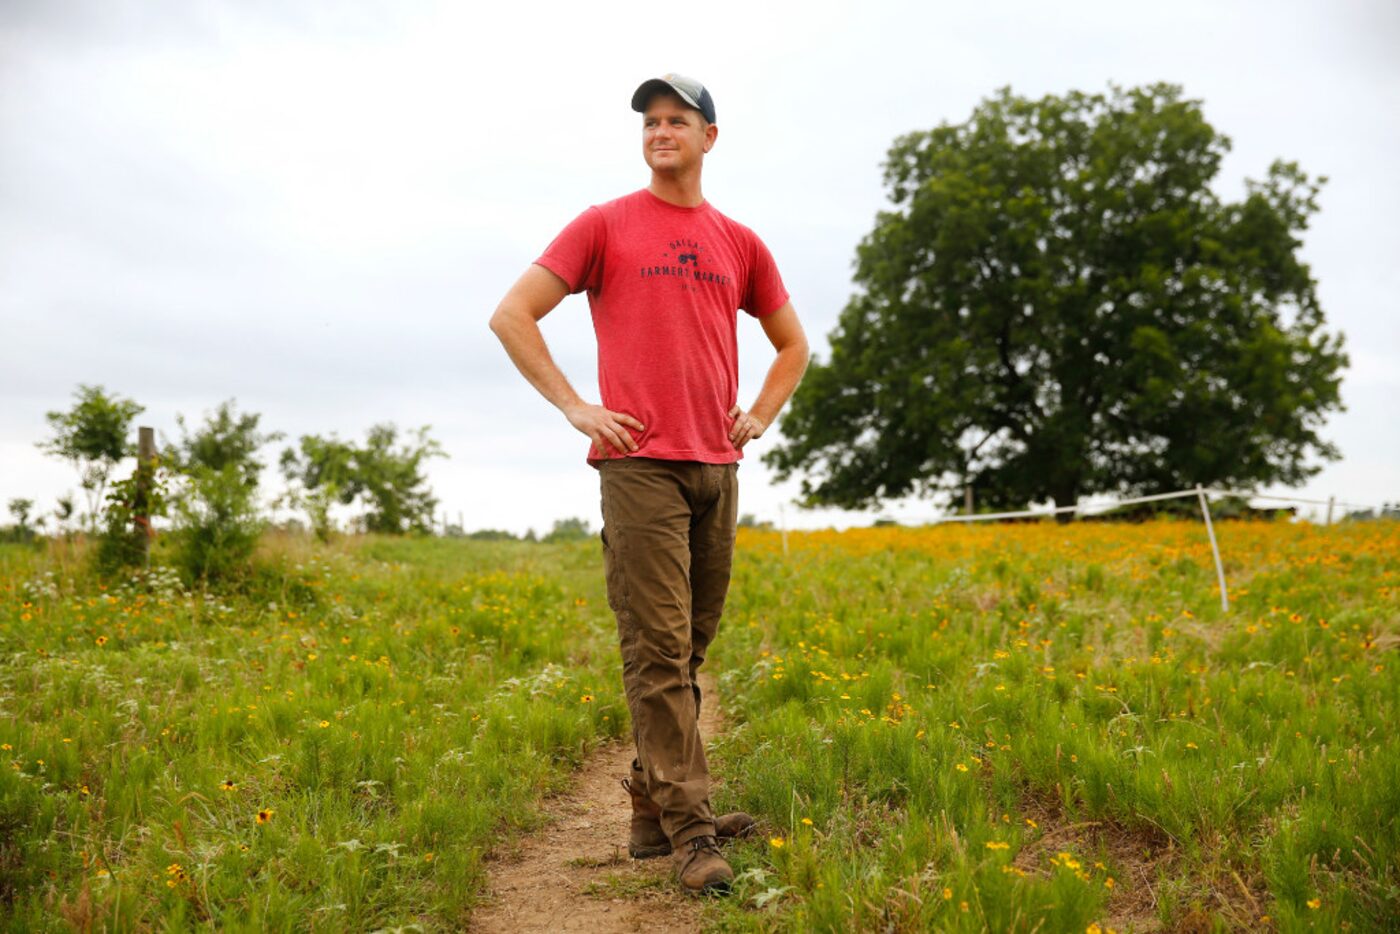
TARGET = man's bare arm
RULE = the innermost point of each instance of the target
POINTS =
(516, 322)
(790, 341)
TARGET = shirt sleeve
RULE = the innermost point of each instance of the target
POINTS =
(765, 292)
(576, 255)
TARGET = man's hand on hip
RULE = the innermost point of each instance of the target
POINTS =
(605, 428)
(746, 427)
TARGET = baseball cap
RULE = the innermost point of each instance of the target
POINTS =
(688, 89)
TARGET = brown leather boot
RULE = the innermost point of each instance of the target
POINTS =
(648, 840)
(700, 868)
(734, 826)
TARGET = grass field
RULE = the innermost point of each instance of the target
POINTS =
(1025, 727)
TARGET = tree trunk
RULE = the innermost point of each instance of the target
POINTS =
(1066, 495)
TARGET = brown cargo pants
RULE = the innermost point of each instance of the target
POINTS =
(668, 540)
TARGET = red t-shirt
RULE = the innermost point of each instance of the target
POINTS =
(664, 285)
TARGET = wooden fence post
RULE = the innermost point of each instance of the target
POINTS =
(145, 480)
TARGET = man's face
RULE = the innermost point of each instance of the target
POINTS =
(674, 135)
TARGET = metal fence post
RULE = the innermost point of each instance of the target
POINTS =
(1210, 530)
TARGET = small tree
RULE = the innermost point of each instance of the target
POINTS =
(568, 530)
(20, 509)
(319, 473)
(391, 483)
(94, 436)
(217, 523)
(493, 535)
(384, 477)
(217, 516)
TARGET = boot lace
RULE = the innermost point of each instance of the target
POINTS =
(703, 844)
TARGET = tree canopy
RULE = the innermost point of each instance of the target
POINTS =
(1058, 303)
(94, 436)
(383, 475)
(226, 441)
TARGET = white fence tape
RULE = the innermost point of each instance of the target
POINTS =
(1292, 499)
(1054, 511)
(1200, 492)
(1132, 501)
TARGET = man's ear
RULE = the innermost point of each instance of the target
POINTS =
(711, 132)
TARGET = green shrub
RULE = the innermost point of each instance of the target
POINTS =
(217, 525)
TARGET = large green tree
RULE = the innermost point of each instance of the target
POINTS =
(1058, 304)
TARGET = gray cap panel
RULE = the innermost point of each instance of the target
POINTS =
(687, 89)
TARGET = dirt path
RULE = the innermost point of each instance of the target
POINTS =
(574, 875)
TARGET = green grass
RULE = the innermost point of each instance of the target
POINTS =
(985, 726)
(394, 706)
(942, 729)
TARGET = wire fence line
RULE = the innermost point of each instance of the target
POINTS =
(1202, 494)
(1133, 501)
(1297, 499)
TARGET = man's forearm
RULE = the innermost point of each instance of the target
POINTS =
(519, 332)
(521, 336)
(783, 376)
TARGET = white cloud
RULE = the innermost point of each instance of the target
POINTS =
(314, 206)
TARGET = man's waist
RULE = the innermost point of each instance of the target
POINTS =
(649, 448)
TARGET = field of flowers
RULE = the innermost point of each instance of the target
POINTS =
(1055, 728)
(1018, 727)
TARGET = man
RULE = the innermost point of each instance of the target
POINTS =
(665, 274)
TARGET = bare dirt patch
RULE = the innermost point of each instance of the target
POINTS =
(1136, 856)
(1139, 856)
(574, 875)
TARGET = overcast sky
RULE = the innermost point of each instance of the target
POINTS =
(314, 207)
